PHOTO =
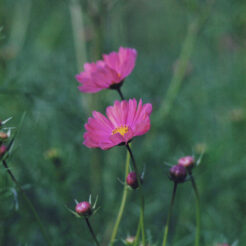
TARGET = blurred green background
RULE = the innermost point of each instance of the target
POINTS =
(45, 43)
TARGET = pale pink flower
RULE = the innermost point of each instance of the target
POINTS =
(125, 120)
(107, 73)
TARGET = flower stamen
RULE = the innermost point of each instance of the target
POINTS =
(122, 130)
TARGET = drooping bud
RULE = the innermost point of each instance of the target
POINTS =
(1, 123)
(178, 173)
(186, 161)
(3, 135)
(3, 150)
(83, 208)
(132, 180)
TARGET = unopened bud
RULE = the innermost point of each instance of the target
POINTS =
(132, 180)
(3, 135)
(177, 173)
(3, 150)
(186, 161)
(1, 123)
(83, 208)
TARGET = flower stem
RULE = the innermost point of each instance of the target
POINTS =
(92, 232)
(123, 203)
(169, 215)
(35, 214)
(138, 233)
(198, 210)
(120, 93)
(79, 37)
(141, 192)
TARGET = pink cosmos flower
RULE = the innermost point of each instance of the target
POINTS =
(124, 121)
(107, 73)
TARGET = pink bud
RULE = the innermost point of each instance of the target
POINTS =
(83, 208)
(3, 150)
(177, 173)
(132, 180)
(186, 161)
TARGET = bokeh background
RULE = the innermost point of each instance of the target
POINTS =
(190, 66)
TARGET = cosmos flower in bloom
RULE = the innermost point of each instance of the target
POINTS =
(107, 73)
(125, 120)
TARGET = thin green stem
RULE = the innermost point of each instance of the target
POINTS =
(180, 70)
(120, 93)
(78, 32)
(138, 233)
(92, 232)
(169, 215)
(183, 62)
(141, 193)
(123, 203)
(35, 214)
(198, 210)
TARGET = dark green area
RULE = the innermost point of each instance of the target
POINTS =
(37, 68)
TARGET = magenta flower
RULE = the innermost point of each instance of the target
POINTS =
(122, 62)
(124, 121)
(107, 73)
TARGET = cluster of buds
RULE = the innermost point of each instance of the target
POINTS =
(178, 173)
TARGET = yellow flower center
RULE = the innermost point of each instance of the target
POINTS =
(119, 75)
(122, 130)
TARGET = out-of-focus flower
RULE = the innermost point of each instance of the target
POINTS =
(3, 136)
(178, 173)
(53, 155)
(107, 73)
(83, 208)
(3, 150)
(125, 120)
(237, 115)
(132, 180)
(200, 148)
(129, 240)
(186, 161)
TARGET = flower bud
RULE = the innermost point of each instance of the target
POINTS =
(3, 135)
(177, 173)
(186, 161)
(132, 180)
(3, 150)
(1, 123)
(83, 208)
